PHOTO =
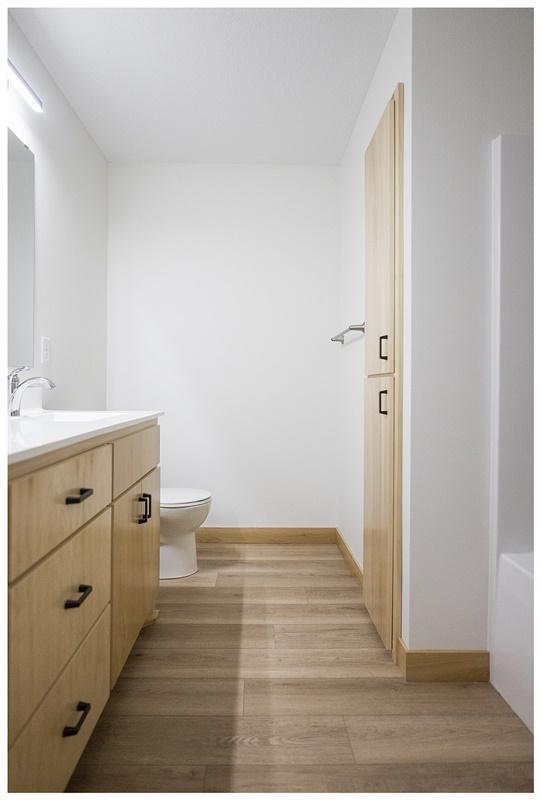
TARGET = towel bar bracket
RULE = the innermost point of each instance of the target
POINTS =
(340, 336)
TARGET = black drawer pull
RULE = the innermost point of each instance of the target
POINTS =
(86, 590)
(144, 517)
(73, 730)
(380, 409)
(84, 494)
(383, 358)
(148, 497)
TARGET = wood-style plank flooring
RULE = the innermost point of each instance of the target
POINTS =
(265, 674)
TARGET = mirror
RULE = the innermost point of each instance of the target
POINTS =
(21, 224)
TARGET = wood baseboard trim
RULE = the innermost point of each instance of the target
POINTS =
(352, 562)
(443, 665)
(267, 535)
(282, 536)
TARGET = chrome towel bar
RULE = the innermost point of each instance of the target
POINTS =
(340, 336)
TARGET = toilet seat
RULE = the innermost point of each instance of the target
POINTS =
(183, 498)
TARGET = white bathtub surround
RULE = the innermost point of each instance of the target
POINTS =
(222, 302)
(512, 634)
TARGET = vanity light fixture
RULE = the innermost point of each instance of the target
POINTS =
(25, 90)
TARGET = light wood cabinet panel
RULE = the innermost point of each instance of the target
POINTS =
(151, 555)
(42, 759)
(378, 504)
(127, 596)
(135, 567)
(380, 245)
(49, 633)
(384, 323)
(134, 456)
(39, 517)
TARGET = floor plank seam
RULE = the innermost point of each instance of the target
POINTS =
(349, 740)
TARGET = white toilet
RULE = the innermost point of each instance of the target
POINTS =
(182, 511)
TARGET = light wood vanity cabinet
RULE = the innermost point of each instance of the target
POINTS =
(83, 571)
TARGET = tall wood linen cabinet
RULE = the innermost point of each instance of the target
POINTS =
(383, 372)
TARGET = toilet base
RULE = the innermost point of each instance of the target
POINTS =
(173, 577)
(178, 556)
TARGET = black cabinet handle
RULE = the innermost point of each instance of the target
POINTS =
(380, 409)
(381, 338)
(73, 730)
(84, 494)
(148, 497)
(86, 590)
(144, 517)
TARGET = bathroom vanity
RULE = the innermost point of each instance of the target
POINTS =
(84, 519)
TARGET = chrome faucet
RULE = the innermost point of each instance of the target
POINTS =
(16, 389)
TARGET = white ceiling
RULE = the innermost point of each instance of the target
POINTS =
(280, 86)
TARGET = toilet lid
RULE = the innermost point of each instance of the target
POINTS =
(176, 498)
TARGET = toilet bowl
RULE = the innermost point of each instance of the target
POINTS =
(182, 511)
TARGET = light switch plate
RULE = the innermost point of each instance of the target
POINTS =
(45, 349)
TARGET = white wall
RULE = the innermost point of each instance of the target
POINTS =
(394, 67)
(222, 287)
(71, 236)
(472, 76)
(512, 356)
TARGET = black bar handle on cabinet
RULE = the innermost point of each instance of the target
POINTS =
(86, 590)
(144, 517)
(381, 338)
(84, 494)
(73, 730)
(380, 409)
(148, 497)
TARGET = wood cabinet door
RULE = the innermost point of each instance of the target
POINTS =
(128, 602)
(380, 245)
(151, 543)
(378, 504)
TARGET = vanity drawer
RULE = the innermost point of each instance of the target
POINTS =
(40, 518)
(134, 456)
(45, 634)
(42, 759)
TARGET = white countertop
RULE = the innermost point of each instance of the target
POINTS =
(37, 432)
